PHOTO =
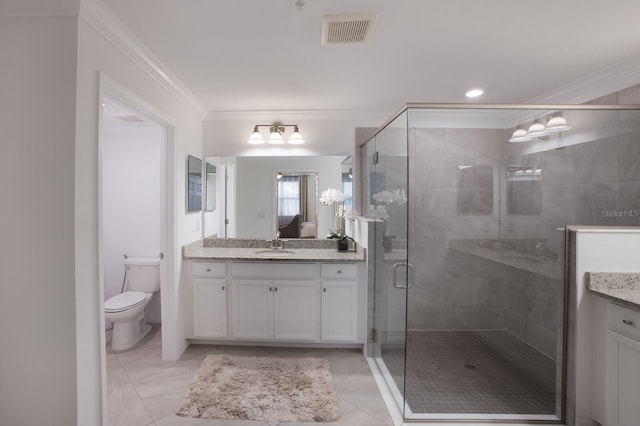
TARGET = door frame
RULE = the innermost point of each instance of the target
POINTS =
(168, 226)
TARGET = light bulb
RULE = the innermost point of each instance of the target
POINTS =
(520, 135)
(296, 137)
(557, 124)
(537, 129)
(275, 138)
(256, 137)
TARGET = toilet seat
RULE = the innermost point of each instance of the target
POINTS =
(125, 301)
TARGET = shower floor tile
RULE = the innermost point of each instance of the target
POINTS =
(479, 371)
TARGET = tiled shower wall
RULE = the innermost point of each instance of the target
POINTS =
(458, 190)
(455, 186)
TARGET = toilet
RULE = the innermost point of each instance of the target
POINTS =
(126, 310)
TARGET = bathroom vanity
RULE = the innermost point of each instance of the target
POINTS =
(296, 296)
(616, 337)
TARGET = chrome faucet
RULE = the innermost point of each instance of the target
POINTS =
(276, 243)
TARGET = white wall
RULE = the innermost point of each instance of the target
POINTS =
(131, 162)
(101, 50)
(37, 99)
(597, 250)
(256, 191)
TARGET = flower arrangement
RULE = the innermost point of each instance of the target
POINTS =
(336, 198)
(384, 199)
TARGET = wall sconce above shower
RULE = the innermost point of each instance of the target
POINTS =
(557, 123)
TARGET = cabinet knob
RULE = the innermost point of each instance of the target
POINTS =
(275, 289)
(324, 290)
(627, 322)
(222, 288)
(338, 271)
(269, 288)
(208, 269)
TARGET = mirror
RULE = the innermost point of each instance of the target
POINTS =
(194, 184)
(210, 187)
(247, 198)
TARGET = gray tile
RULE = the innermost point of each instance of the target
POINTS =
(593, 201)
(629, 204)
(125, 407)
(597, 161)
(629, 157)
(430, 142)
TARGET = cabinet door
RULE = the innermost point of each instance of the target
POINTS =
(296, 310)
(252, 309)
(209, 307)
(339, 311)
(623, 380)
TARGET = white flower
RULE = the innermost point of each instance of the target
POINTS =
(397, 196)
(331, 195)
(349, 214)
(379, 212)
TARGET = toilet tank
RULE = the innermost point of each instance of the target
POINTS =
(143, 274)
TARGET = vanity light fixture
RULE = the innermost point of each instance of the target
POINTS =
(557, 123)
(276, 131)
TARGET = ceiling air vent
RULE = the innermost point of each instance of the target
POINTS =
(348, 28)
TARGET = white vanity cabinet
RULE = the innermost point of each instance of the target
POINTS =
(622, 378)
(339, 302)
(285, 308)
(297, 302)
(209, 299)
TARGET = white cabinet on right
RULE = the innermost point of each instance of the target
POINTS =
(622, 366)
(339, 317)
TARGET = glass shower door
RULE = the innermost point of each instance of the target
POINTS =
(387, 202)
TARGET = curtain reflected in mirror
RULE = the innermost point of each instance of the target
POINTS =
(296, 204)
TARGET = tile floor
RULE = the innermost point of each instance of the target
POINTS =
(143, 390)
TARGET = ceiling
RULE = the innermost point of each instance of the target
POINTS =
(249, 56)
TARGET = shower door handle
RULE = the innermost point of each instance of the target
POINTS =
(409, 275)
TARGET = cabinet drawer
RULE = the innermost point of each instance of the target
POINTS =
(624, 320)
(209, 269)
(339, 270)
(274, 270)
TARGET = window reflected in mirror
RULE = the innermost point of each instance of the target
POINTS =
(296, 204)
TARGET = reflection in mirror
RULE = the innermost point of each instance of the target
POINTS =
(246, 193)
(524, 190)
(297, 204)
(347, 180)
(210, 183)
(194, 184)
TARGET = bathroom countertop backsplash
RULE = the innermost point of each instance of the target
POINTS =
(619, 286)
(299, 250)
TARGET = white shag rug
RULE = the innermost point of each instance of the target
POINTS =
(267, 389)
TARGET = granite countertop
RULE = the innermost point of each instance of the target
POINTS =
(197, 251)
(618, 286)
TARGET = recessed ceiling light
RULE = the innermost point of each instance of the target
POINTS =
(474, 93)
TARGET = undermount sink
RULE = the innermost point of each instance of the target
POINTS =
(274, 252)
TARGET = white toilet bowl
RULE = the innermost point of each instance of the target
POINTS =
(126, 310)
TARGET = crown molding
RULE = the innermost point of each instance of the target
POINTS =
(367, 117)
(38, 8)
(609, 80)
(95, 14)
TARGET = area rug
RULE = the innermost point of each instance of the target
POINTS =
(267, 389)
